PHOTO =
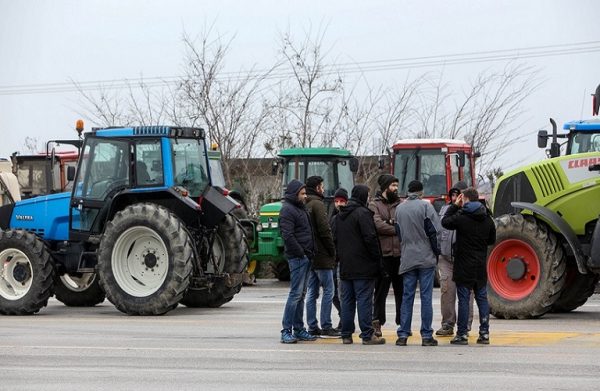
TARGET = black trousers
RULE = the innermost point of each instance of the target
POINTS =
(382, 288)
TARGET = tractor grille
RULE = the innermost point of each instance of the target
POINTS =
(548, 178)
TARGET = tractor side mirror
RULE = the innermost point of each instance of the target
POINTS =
(477, 155)
(542, 138)
(274, 167)
(70, 173)
(594, 167)
(461, 158)
(354, 165)
(381, 163)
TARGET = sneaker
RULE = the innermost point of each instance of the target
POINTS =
(484, 339)
(330, 333)
(445, 331)
(429, 342)
(374, 340)
(401, 341)
(347, 340)
(287, 337)
(377, 328)
(460, 340)
(316, 332)
(303, 335)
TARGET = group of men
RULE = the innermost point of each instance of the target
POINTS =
(372, 245)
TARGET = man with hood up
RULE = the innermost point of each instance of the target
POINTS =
(475, 231)
(418, 225)
(359, 254)
(299, 248)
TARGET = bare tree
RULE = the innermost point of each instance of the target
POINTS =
(32, 145)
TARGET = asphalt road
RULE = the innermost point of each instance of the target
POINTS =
(236, 347)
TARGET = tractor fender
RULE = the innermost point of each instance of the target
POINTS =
(563, 228)
(595, 249)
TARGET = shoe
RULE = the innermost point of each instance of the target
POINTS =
(347, 340)
(484, 339)
(401, 341)
(303, 335)
(287, 337)
(374, 340)
(460, 340)
(316, 332)
(377, 328)
(330, 333)
(429, 342)
(445, 331)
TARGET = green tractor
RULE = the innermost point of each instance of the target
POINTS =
(336, 166)
(547, 252)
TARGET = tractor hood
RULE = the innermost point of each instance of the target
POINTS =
(46, 216)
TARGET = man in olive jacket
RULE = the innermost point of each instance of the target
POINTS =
(323, 262)
(359, 254)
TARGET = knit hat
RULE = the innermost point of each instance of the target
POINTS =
(385, 180)
(314, 181)
(460, 185)
(415, 186)
(341, 194)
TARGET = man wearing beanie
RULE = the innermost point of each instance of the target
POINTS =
(359, 254)
(383, 207)
(418, 225)
(299, 247)
(340, 198)
(323, 263)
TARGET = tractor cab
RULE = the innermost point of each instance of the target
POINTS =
(437, 163)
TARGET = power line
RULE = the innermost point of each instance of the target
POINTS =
(343, 68)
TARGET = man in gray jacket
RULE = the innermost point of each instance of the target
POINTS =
(418, 225)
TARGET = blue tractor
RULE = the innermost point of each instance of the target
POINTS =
(142, 225)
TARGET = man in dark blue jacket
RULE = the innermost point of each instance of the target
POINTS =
(299, 248)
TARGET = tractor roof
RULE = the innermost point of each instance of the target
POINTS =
(426, 141)
(153, 131)
(335, 152)
(588, 124)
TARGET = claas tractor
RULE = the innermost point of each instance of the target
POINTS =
(142, 225)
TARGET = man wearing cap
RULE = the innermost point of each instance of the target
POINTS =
(418, 225)
(446, 267)
(323, 263)
(383, 207)
(299, 248)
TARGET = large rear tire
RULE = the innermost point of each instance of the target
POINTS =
(526, 268)
(229, 250)
(79, 290)
(144, 260)
(26, 273)
(578, 288)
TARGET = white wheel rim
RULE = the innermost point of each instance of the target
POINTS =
(140, 261)
(16, 274)
(78, 284)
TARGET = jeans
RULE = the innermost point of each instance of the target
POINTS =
(425, 279)
(357, 294)
(319, 278)
(293, 314)
(448, 293)
(382, 288)
(464, 295)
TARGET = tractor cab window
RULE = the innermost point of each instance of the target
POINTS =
(582, 142)
(104, 167)
(324, 169)
(427, 166)
(189, 165)
(148, 163)
(468, 171)
(335, 173)
(345, 177)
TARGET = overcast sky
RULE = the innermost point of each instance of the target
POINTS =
(43, 42)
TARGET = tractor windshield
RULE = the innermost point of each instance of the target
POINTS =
(581, 142)
(425, 165)
(190, 165)
(335, 173)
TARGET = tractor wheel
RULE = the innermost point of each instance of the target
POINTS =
(578, 288)
(282, 270)
(78, 290)
(145, 260)
(229, 251)
(526, 269)
(26, 273)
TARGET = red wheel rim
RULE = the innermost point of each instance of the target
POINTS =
(500, 281)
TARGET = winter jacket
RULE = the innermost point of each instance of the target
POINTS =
(418, 226)
(384, 215)
(294, 224)
(356, 239)
(475, 231)
(447, 237)
(325, 248)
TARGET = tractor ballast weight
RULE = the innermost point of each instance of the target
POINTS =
(142, 225)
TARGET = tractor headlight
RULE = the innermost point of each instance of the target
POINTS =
(274, 224)
(258, 227)
(265, 225)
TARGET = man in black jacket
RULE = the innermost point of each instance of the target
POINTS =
(475, 231)
(359, 254)
(299, 247)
